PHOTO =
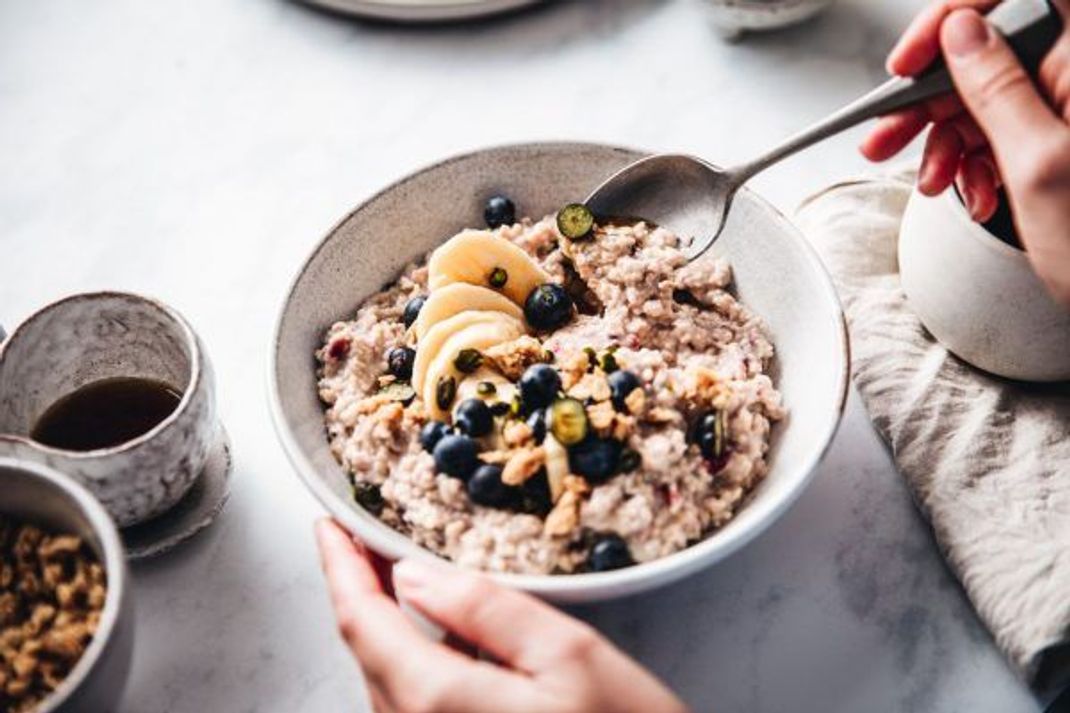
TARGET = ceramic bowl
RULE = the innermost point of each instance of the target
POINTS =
(777, 274)
(978, 296)
(421, 11)
(734, 17)
(37, 494)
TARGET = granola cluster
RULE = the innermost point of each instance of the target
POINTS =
(52, 592)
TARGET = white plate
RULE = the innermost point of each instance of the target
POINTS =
(423, 10)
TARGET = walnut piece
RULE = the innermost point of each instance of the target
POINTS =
(523, 464)
(510, 359)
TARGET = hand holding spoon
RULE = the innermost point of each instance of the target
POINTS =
(692, 197)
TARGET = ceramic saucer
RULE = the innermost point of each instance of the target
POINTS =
(194, 512)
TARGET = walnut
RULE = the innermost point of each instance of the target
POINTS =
(572, 369)
(591, 386)
(510, 359)
(635, 401)
(705, 386)
(517, 434)
(601, 416)
(524, 464)
(563, 519)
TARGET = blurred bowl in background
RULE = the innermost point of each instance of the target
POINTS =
(420, 11)
(978, 295)
(734, 17)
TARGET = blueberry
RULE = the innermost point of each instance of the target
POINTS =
(535, 498)
(473, 418)
(399, 361)
(432, 433)
(369, 497)
(596, 459)
(456, 456)
(412, 310)
(622, 383)
(485, 487)
(548, 307)
(609, 552)
(539, 385)
(708, 433)
(499, 211)
(537, 424)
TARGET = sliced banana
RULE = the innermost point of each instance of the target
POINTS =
(459, 297)
(428, 347)
(468, 388)
(557, 467)
(479, 336)
(472, 255)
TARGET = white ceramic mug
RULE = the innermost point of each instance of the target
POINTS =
(85, 338)
(978, 295)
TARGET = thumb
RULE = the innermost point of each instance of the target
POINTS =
(994, 86)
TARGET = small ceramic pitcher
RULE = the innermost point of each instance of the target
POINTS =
(89, 337)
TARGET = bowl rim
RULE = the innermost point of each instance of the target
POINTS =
(977, 231)
(583, 586)
(196, 373)
(114, 561)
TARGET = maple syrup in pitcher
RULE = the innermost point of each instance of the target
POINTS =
(106, 413)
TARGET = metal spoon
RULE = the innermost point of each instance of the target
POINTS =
(692, 197)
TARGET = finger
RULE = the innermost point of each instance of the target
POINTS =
(978, 186)
(919, 45)
(1054, 73)
(940, 162)
(403, 666)
(371, 623)
(516, 628)
(995, 88)
(895, 131)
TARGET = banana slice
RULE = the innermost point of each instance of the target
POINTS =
(557, 466)
(458, 297)
(428, 347)
(504, 390)
(472, 255)
(479, 336)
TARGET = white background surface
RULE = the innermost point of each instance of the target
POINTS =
(197, 150)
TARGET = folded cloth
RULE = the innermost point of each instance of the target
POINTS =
(988, 460)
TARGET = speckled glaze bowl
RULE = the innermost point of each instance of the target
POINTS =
(777, 274)
(41, 496)
(88, 337)
(978, 295)
(734, 17)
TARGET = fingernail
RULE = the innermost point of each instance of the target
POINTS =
(965, 32)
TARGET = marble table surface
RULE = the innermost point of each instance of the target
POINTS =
(197, 150)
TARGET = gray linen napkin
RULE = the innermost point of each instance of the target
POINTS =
(988, 460)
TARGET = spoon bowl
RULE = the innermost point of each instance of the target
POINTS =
(684, 192)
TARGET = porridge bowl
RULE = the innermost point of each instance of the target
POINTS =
(370, 262)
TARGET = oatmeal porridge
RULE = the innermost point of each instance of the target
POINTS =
(554, 396)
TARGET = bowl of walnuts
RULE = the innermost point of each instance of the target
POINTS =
(66, 625)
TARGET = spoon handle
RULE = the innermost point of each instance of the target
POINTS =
(1031, 27)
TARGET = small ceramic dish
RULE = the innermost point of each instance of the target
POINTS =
(734, 17)
(777, 274)
(978, 296)
(39, 495)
